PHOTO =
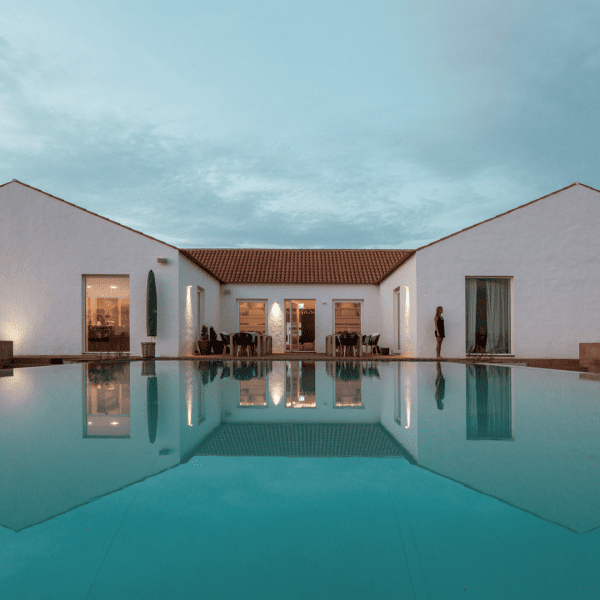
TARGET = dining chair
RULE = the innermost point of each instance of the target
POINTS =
(349, 340)
(374, 343)
(365, 341)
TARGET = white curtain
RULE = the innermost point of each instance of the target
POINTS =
(497, 318)
(471, 306)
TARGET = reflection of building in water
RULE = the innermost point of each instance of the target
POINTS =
(488, 403)
(348, 384)
(107, 400)
(253, 392)
(300, 384)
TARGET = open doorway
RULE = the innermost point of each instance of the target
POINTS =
(300, 326)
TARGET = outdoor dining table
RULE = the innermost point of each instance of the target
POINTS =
(330, 344)
(262, 347)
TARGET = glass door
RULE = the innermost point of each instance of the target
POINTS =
(300, 325)
(295, 326)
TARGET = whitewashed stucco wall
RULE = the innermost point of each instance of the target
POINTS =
(404, 276)
(550, 249)
(324, 296)
(46, 246)
(191, 276)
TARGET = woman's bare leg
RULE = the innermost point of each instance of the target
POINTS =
(438, 348)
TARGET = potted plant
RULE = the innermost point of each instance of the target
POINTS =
(204, 342)
(149, 348)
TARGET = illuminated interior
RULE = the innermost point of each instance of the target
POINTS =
(107, 313)
(300, 325)
(253, 317)
(347, 317)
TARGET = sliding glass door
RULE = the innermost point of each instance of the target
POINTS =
(488, 315)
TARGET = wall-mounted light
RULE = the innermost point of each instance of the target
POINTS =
(163, 261)
(226, 292)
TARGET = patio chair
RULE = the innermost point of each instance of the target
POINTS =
(337, 344)
(365, 341)
(349, 340)
(225, 340)
(245, 340)
(373, 343)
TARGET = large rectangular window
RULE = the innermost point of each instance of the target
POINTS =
(347, 317)
(253, 317)
(107, 313)
(488, 315)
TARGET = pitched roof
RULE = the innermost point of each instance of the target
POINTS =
(240, 265)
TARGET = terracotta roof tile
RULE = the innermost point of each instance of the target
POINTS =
(240, 265)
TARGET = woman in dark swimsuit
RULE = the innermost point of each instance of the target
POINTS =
(440, 333)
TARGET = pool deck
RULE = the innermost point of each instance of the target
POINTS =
(563, 364)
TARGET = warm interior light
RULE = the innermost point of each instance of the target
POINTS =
(112, 287)
(114, 422)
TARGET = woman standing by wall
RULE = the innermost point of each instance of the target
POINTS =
(440, 332)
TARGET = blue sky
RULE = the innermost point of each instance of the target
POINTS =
(300, 124)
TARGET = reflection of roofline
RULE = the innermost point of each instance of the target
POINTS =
(505, 213)
(87, 211)
(470, 487)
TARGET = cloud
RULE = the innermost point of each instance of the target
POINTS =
(476, 111)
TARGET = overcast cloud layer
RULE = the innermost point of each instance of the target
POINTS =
(300, 124)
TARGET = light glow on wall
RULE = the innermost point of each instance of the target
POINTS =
(277, 382)
(406, 314)
(189, 392)
(188, 317)
(276, 327)
(16, 389)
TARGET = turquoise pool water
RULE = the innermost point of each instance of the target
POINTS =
(297, 479)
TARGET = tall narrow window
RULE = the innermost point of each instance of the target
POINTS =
(347, 317)
(488, 315)
(107, 313)
(253, 317)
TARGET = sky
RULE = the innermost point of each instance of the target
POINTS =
(300, 123)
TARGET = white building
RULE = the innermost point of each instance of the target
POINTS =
(70, 279)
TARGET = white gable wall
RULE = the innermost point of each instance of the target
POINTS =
(400, 321)
(550, 249)
(46, 246)
(191, 276)
(324, 296)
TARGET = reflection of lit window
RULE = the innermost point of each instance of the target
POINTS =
(254, 392)
(348, 384)
(300, 384)
(107, 400)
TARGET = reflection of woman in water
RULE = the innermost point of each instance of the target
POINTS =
(440, 332)
(440, 387)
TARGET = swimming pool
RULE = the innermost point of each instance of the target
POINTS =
(275, 479)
